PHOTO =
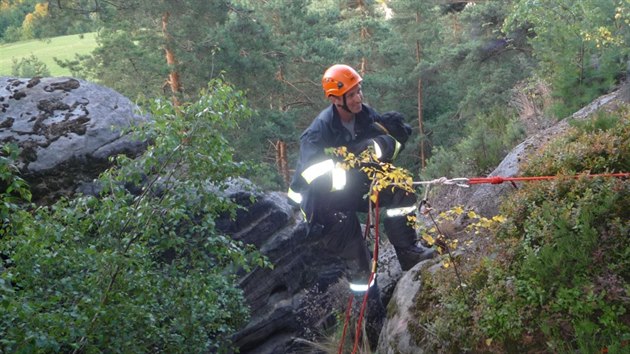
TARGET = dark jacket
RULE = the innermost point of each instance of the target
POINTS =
(326, 131)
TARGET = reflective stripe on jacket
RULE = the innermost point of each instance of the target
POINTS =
(326, 131)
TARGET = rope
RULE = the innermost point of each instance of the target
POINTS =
(345, 326)
(466, 182)
(347, 321)
(372, 275)
(460, 182)
(499, 179)
(371, 278)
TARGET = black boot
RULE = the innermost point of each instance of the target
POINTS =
(375, 317)
(412, 255)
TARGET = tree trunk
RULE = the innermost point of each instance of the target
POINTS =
(173, 76)
(421, 126)
(281, 161)
(420, 120)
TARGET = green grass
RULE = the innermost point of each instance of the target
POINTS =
(63, 47)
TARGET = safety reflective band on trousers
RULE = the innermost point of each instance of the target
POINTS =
(294, 196)
(360, 287)
(400, 211)
(321, 168)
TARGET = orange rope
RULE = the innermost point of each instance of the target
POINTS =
(345, 326)
(371, 278)
(499, 179)
(372, 275)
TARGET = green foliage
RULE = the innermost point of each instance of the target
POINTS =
(554, 277)
(28, 19)
(603, 153)
(136, 273)
(488, 138)
(466, 66)
(15, 190)
(29, 67)
(582, 49)
(47, 51)
(467, 59)
(12, 15)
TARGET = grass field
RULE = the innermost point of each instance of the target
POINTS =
(64, 47)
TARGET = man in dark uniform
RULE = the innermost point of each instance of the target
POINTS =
(330, 196)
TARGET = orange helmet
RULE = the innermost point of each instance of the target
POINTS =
(339, 79)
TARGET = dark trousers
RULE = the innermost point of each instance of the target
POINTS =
(342, 233)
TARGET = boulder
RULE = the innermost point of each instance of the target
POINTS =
(66, 130)
(395, 337)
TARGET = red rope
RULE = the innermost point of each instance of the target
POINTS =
(499, 179)
(347, 321)
(345, 326)
(372, 275)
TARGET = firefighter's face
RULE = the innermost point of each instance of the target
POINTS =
(354, 99)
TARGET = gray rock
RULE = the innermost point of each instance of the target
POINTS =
(66, 130)
(395, 337)
(486, 198)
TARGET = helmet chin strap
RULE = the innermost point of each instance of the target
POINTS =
(345, 105)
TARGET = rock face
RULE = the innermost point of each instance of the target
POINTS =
(293, 303)
(66, 130)
(395, 337)
(485, 200)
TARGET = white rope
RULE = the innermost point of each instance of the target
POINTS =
(460, 182)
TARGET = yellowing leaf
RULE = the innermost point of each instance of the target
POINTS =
(429, 239)
(498, 218)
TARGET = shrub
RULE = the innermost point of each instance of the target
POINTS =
(554, 278)
(489, 137)
(136, 273)
(29, 67)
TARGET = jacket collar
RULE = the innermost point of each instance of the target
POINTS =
(361, 118)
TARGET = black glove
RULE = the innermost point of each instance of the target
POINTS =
(395, 124)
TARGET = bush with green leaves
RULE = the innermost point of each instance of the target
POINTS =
(137, 272)
(29, 67)
(555, 275)
(15, 191)
(582, 49)
(489, 136)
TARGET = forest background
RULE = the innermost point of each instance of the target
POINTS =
(467, 75)
(473, 78)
